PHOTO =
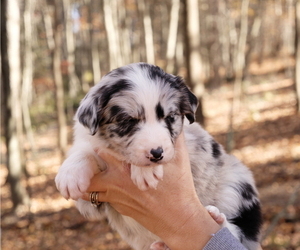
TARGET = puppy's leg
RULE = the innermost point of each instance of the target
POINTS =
(146, 177)
(215, 213)
(73, 177)
(220, 218)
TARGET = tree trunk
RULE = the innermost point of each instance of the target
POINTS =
(27, 70)
(116, 19)
(11, 85)
(172, 38)
(74, 84)
(95, 41)
(192, 53)
(254, 35)
(150, 53)
(124, 31)
(297, 69)
(224, 37)
(47, 24)
(95, 58)
(112, 36)
(240, 56)
(239, 67)
(59, 90)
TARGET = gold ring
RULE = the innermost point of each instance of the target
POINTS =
(94, 199)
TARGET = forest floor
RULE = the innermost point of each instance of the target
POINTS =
(267, 140)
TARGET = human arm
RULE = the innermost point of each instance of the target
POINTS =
(224, 240)
(172, 211)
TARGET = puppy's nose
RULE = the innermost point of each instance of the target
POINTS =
(156, 154)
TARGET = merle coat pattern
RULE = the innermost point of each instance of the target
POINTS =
(141, 103)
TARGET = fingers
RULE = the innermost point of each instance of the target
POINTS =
(181, 160)
(109, 179)
(180, 147)
(109, 159)
(102, 197)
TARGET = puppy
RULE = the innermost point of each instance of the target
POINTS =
(136, 113)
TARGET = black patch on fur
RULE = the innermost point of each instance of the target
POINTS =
(216, 152)
(154, 72)
(117, 72)
(106, 92)
(85, 117)
(249, 221)
(188, 101)
(246, 190)
(115, 110)
(169, 123)
(159, 112)
(91, 115)
(126, 127)
(121, 123)
(192, 98)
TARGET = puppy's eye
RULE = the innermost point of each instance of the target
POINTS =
(125, 118)
(171, 117)
(133, 120)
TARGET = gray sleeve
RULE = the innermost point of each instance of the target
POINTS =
(224, 240)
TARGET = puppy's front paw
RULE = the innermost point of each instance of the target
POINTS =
(159, 245)
(146, 177)
(74, 176)
(215, 213)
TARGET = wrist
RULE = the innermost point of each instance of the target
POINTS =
(195, 232)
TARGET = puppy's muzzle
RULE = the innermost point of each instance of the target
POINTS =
(156, 154)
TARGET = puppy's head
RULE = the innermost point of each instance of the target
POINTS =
(139, 111)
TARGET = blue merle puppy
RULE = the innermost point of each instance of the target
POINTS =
(141, 103)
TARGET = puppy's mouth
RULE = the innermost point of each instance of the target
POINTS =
(153, 159)
(144, 164)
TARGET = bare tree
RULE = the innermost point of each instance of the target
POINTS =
(27, 69)
(192, 52)
(74, 84)
(125, 27)
(172, 38)
(47, 24)
(224, 36)
(11, 86)
(59, 90)
(144, 9)
(95, 53)
(115, 59)
(254, 35)
(297, 69)
(239, 62)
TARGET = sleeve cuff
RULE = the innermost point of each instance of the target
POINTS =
(224, 240)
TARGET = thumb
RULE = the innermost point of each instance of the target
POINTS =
(114, 171)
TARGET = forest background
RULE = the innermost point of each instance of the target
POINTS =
(240, 57)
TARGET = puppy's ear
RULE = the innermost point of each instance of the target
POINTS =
(190, 106)
(91, 112)
(193, 104)
(88, 113)
(189, 101)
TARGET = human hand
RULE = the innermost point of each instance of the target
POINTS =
(172, 211)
